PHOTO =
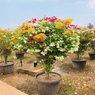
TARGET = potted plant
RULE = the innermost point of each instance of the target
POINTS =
(92, 44)
(52, 40)
(6, 40)
(85, 36)
(18, 46)
(21, 37)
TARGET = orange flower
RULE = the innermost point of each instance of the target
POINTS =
(39, 37)
(67, 21)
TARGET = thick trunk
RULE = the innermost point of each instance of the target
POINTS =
(5, 59)
(47, 75)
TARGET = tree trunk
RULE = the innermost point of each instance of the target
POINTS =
(5, 59)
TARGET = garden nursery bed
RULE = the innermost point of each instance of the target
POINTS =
(74, 82)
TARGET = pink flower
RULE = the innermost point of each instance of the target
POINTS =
(33, 20)
(52, 19)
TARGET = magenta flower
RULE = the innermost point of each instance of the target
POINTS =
(52, 19)
(72, 25)
(33, 20)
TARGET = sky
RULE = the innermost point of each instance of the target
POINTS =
(14, 12)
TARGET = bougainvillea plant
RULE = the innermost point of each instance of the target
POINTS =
(6, 43)
(52, 39)
(85, 36)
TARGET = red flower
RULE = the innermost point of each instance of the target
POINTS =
(30, 38)
(93, 31)
(87, 39)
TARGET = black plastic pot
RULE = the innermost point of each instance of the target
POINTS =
(20, 55)
(92, 56)
(35, 64)
(79, 64)
(25, 50)
(6, 68)
(48, 87)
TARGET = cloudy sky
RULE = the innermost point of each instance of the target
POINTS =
(14, 12)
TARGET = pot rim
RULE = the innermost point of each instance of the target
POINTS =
(77, 60)
(19, 52)
(91, 53)
(8, 64)
(49, 81)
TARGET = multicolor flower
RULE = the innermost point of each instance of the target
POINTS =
(39, 37)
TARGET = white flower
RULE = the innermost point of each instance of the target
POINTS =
(43, 53)
(37, 50)
(52, 44)
(47, 28)
(47, 49)
(58, 45)
(25, 41)
(59, 58)
(30, 51)
(61, 49)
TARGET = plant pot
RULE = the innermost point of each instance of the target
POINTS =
(35, 64)
(25, 50)
(48, 86)
(20, 55)
(92, 56)
(7, 68)
(79, 64)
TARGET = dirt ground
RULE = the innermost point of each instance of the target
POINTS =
(83, 80)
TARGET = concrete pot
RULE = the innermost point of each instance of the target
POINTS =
(48, 87)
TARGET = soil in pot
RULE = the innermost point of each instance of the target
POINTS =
(79, 63)
(6, 68)
(48, 86)
(92, 56)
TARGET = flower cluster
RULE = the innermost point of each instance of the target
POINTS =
(6, 42)
(21, 36)
(52, 37)
(86, 36)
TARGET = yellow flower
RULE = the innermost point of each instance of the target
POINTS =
(67, 21)
(30, 30)
(0, 39)
(26, 30)
(12, 39)
(75, 34)
(67, 33)
(2, 31)
(59, 25)
(39, 37)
